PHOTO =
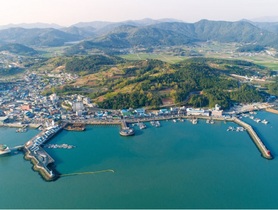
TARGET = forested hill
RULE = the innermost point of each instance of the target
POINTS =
(18, 49)
(179, 33)
(116, 83)
(132, 34)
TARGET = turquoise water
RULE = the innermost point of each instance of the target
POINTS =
(178, 165)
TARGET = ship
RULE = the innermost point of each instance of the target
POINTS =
(127, 132)
(264, 121)
(194, 121)
(141, 125)
(4, 149)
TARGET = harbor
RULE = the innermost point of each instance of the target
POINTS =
(199, 156)
(45, 164)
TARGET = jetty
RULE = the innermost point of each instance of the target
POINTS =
(42, 161)
(260, 145)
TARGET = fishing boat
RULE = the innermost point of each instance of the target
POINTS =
(4, 149)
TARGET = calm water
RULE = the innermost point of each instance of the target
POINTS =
(178, 165)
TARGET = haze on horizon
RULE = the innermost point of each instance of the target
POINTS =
(68, 12)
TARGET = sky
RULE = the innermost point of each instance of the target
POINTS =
(68, 12)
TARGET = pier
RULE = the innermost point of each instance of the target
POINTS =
(256, 139)
(41, 160)
(260, 145)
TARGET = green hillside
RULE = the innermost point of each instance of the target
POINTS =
(176, 34)
(18, 49)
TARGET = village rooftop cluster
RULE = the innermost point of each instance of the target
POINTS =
(22, 104)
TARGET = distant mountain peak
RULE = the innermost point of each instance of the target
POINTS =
(31, 25)
(270, 19)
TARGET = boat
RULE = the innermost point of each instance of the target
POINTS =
(21, 130)
(4, 149)
(141, 125)
(257, 120)
(207, 121)
(157, 124)
(264, 121)
(174, 120)
(194, 121)
(127, 132)
(230, 128)
(152, 123)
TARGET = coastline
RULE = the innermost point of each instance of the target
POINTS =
(271, 110)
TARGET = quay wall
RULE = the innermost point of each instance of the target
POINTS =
(38, 165)
(260, 145)
(43, 171)
(17, 125)
(274, 111)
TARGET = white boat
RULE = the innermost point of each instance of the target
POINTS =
(174, 120)
(142, 125)
(127, 132)
(194, 121)
(4, 149)
(264, 121)
(257, 120)
(157, 124)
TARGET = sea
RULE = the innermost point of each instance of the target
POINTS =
(177, 165)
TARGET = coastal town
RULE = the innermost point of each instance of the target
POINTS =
(23, 105)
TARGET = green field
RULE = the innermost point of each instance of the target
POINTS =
(209, 49)
(162, 57)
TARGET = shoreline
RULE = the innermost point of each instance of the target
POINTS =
(45, 169)
(271, 110)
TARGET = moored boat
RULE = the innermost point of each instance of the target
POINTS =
(141, 125)
(264, 121)
(4, 149)
(127, 132)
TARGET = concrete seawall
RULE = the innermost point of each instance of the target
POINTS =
(41, 160)
(260, 145)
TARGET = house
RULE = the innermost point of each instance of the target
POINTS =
(26, 107)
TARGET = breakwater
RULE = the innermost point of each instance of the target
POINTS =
(274, 111)
(258, 142)
(41, 160)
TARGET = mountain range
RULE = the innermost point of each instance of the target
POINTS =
(142, 33)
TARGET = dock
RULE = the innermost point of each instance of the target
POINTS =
(41, 160)
(260, 145)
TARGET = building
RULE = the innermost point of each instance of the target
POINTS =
(140, 111)
(3, 120)
(26, 107)
(197, 112)
(54, 98)
(77, 106)
(216, 112)
(86, 101)
(79, 113)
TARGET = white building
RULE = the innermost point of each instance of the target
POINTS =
(77, 106)
(216, 112)
(53, 97)
(86, 100)
(197, 112)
